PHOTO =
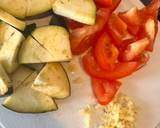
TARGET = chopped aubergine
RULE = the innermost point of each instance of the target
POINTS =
(9, 48)
(5, 32)
(27, 100)
(56, 40)
(36, 67)
(4, 81)
(83, 11)
(20, 75)
(16, 8)
(53, 81)
(6, 17)
(32, 52)
(49, 44)
(29, 29)
(57, 20)
(38, 6)
(23, 8)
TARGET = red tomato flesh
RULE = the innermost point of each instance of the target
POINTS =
(121, 69)
(105, 3)
(105, 52)
(135, 49)
(82, 38)
(104, 90)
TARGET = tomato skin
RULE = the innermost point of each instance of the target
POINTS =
(105, 3)
(115, 4)
(121, 69)
(149, 29)
(150, 9)
(82, 38)
(105, 52)
(104, 90)
(72, 24)
(135, 49)
(117, 29)
(131, 17)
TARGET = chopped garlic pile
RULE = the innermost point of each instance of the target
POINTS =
(120, 113)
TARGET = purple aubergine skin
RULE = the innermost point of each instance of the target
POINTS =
(146, 2)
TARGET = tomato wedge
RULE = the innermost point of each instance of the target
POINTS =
(117, 28)
(135, 49)
(115, 4)
(105, 52)
(104, 90)
(82, 38)
(151, 28)
(151, 9)
(104, 2)
(121, 69)
(131, 17)
(128, 16)
(72, 24)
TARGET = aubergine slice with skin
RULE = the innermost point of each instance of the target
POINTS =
(10, 42)
(27, 100)
(47, 44)
(21, 74)
(53, 81)
(25, 8)
(83, 11)
(11, 20)
(5, 81)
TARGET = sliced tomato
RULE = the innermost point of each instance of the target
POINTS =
(128, 16)
(115, 4)
(151, 28)
(104, 2)
(82, 38)
(121, 69)
(105, 52)
(125, 43)
(104, 90)
(117, 28)
(72, 24)
(135, 49)
(142, 59)
(133, 29)
(148, 29)
(151, 9)
(131, 17)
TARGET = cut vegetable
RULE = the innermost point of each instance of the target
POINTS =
(9, 48)
(4, 81)
(5, 32)
(53, 81)
(83, 11)
(35, 7)
(6, 17)
(20, 75)
(32, 52)
(151, 31)
(50, 44)
(135, 49)
(37, 67)
(29, 29)
(57, 20)
(27, 100)
(16, 8)
(55, 40)
(23, 8)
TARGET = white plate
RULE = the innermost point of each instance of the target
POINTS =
(143, 87)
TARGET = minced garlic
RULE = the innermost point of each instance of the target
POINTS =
(120, 113)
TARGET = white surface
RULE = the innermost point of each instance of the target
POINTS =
(143, 87)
